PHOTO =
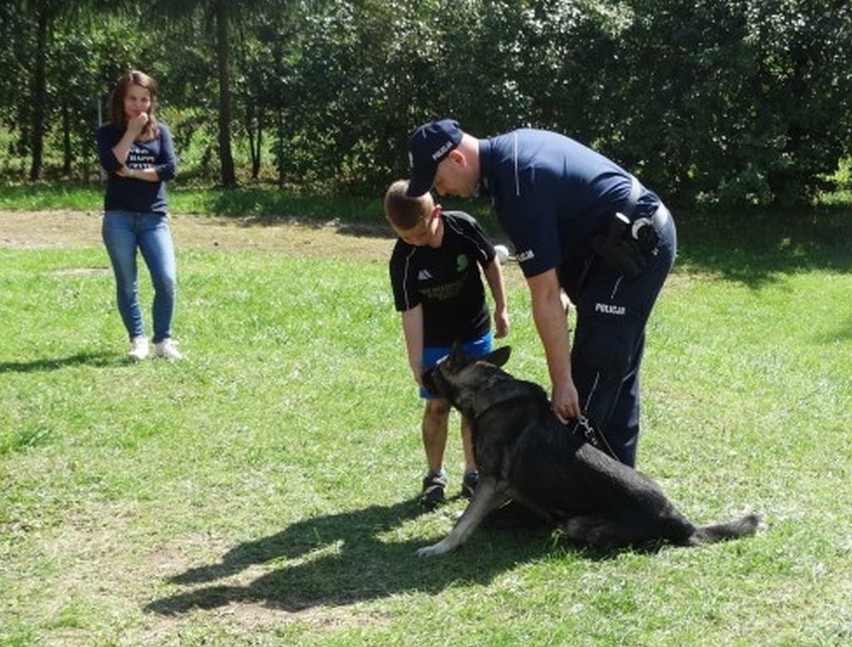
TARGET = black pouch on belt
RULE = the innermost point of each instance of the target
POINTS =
(619, 249)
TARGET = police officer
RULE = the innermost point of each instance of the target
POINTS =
(578, 223)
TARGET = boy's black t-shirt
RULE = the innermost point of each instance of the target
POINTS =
(445, 280)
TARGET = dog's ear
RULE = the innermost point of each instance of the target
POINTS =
(455, 361)
(499, 356)
(456, 356)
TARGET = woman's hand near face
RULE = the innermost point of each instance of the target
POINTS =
(137, 124)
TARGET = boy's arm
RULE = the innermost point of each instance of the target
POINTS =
(494, 276)
(412, 328)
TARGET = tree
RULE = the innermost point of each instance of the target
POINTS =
(710, 101)
(739, 103)
(223, 15)
(34, 57)
(222, 18)
(804, 50)
(33, 30)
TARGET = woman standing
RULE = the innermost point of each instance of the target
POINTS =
(137, 153)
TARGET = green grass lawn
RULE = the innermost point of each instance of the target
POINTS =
(262, 491)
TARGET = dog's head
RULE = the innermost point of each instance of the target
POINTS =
(459, 374)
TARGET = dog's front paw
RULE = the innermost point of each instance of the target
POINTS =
(431, 551)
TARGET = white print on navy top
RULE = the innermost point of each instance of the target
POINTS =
(609, 309)
(526, 256)
(424, 275)
(141, 157)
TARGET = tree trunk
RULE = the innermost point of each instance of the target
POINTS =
(226, 158)
(254, 129)
(39, 97)
(67, 147)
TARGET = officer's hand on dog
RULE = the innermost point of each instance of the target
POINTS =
(565, 401)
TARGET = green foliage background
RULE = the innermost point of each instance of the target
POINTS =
(710, 102)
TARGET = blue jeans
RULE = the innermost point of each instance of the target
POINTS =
(123, 233)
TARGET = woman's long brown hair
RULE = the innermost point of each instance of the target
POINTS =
(116, 105)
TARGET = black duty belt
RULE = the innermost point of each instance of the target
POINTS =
(658, 219)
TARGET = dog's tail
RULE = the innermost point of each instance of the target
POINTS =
(712, 533)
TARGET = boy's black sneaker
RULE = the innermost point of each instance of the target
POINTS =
(433, 490)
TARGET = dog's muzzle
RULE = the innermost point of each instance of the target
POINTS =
(429, 381)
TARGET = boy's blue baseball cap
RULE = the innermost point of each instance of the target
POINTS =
(429, 145)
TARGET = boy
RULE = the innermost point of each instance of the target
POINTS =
(434, 272)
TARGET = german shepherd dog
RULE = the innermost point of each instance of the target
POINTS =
(525, 454)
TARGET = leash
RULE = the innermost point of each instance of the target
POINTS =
(595, 438)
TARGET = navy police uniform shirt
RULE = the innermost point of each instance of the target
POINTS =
(445, 280)
(552, 194)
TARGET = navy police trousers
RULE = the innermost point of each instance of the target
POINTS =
(609, 339)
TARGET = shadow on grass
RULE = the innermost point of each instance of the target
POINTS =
(350, 229)
(341, 559)
(843, 333)
(99, 360)
(749, 246)
(755, 248)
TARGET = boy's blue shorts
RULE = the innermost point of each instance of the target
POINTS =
(432, 354)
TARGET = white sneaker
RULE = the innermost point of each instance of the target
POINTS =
(168, 349)
(139, 348)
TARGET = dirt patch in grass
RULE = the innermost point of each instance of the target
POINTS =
(38, 229)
